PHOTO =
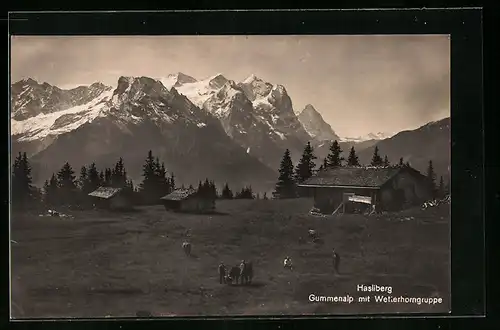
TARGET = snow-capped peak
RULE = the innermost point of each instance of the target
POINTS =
(315, 125)
(367, 137)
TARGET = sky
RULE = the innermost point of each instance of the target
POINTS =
(359, 84)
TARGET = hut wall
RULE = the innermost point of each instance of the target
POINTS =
(328, 199)
(404, 190)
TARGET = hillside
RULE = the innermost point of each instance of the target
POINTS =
(428, 142)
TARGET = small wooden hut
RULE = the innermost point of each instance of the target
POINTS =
(110, 198)
(189, 201)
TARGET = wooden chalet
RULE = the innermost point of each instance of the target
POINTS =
(367, 189)
(110, 198)
(188, 200)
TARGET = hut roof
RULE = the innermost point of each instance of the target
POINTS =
(105, 192)
(369, 177)
(179, 194)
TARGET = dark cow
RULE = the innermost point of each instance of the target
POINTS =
(246, 273)
(186, 246)
(233, 275)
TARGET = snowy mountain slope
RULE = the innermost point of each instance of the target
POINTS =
(259, 117)
(315, 125)
(368, 137)
(142, 114)
(30, 98)
(256, 114)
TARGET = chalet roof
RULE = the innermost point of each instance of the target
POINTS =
(369, 177)
(105, 192)
(179, 194)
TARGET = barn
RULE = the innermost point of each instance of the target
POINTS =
(362, 189)
(188, 200)
(110, 198)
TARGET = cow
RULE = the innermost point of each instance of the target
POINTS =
(312, 234)
(246, 273)
(233, 275)
(186, 246)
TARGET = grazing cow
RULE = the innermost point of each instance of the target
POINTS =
(287, 263)
(247, 273)
(186, 246)
(312, 234)
(234, 275)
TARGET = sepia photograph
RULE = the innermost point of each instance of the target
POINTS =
(229, 175)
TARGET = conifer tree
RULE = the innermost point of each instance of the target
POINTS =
(93, 179)
(407, 164)
(149, 184)
(431, 177)
(67, 185)
(101, 178)
(441, 188)
(50, 191)
(172, 182)
(352, 160)
(83, 179)
(376, 159)
(285, 187)
(306, 165)
(386, 161)
(265, 196)
(107, 177)
(22, 188)
(334, 157)
(401, 163)
(226, 192)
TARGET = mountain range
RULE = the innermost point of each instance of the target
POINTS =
(228, 131)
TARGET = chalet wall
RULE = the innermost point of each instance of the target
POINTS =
(328, 199)
(404, 190)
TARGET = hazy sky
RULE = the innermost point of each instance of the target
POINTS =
(360, 84)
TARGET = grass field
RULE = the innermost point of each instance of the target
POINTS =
(100, 264)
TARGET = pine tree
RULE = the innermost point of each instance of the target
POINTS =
(264, 196)
(67, 185)
(50, 191)
(172, 182)
(22, 188)
(407, 164)
(101, 178)
(226, 192)
(83, 179)
(306, 165)
(334, 158)
(118, 177)
(441, 188)
(285, 187)
(148, 185)
(376, 159)
(386, 161)
(107, 177)
(352, 160)
(93, 179)
(401, 163)
(431, 177)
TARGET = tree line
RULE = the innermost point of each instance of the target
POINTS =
(64, 188)
(290, 176)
